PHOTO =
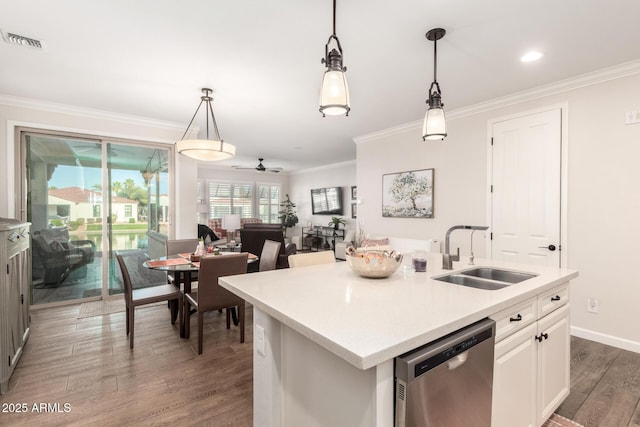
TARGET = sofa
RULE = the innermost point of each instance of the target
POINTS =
(55, 255)
(253, 236)
(399, 244)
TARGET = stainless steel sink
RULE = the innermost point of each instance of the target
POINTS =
(472, 282)
(508, 276)
(487, 278)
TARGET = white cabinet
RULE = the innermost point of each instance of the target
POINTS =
(531, 369)
(514, 380)
(15, 279)
(553, 362)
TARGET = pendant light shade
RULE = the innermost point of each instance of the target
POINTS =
(207, 150)
(334, 93)
(434, 126)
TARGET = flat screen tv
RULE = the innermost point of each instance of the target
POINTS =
(327, 201)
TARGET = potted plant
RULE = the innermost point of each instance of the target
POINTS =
(335, 222)
(287, 214)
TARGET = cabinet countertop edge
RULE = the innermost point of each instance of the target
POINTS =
(366, 321)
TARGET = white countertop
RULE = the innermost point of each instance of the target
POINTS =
(369, 321)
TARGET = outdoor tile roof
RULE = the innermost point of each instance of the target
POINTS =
(81, 195)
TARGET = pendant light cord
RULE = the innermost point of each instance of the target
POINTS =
(334, 18)
(435, 60)
(207, 100)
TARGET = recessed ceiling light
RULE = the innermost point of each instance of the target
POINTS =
(531, 56)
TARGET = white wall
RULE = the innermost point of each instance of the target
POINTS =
(16, 112)
(459, 165)
(301, 183)
(603, 201)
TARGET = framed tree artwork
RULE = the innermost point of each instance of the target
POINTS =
(408, 194)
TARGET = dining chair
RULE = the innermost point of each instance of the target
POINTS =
(136, 297)
(269, 255)
(181, 246)
(211, 296)
(311, 258)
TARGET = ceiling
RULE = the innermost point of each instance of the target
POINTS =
(150, 58)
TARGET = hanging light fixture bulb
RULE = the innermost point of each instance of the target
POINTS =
(434, 126)
(334, 93)
(207, 150)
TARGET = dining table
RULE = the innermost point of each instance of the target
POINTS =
(184, 270)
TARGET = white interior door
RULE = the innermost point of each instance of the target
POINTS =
(525, 198)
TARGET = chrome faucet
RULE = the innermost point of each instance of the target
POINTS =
(447, 258)
(471, 257)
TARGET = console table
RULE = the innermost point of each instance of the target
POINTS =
(317, 238)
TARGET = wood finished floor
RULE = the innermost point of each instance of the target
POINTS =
(87, 364)
(605, 386)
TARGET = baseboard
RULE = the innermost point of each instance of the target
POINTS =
(606, 339)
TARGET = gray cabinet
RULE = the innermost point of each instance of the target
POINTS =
(15, 279)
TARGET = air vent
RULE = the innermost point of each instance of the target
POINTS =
(22, 40)
(401, 391)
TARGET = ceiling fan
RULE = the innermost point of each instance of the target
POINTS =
(260, 168)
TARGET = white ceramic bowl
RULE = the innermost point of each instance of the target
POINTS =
(374, 264)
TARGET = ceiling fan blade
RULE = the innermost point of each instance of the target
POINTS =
(260, 168)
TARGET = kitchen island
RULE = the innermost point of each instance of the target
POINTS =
(325, 339)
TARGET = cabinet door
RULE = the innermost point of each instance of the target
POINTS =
(25, 281)
(514, 380)
(553, 362)
(16, 319)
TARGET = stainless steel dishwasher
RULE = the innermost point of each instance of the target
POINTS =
(447, 383)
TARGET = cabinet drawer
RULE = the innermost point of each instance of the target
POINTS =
(551, 300)
(17, 241)
(515, 318)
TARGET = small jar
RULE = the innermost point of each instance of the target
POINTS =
(407, 263)
(419, 261)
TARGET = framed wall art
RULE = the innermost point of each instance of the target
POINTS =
(408, 194)
(354, 210)
(354, 192)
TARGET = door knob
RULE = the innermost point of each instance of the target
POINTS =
(550, 247)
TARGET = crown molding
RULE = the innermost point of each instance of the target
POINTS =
(589, 79)
(35, 104)
(388, 132)
(323, 168)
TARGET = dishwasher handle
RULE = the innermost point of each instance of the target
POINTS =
(458, 360)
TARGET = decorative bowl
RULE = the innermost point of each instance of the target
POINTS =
(373, 264)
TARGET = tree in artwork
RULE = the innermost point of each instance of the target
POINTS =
(408, 194)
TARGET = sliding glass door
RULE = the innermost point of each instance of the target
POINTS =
(138, 206)
(87, 198)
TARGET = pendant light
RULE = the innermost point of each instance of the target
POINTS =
(208, 150)
(334, 94)
(434, 126)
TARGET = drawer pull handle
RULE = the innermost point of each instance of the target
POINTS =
(556, 298)
(515, 319)
(542, 337)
